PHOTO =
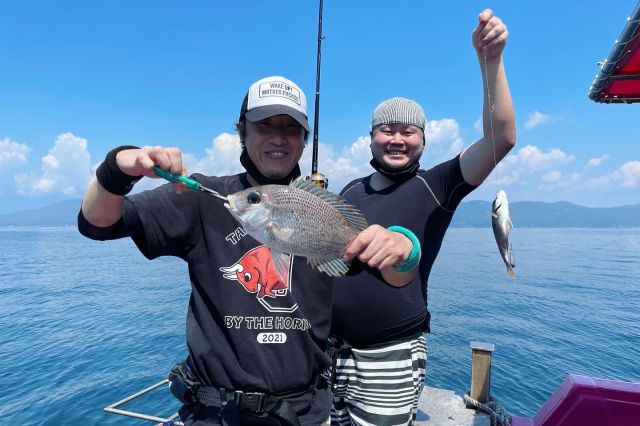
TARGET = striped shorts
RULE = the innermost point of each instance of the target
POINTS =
(379, 386)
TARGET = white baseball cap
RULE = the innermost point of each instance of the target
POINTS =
(275, 96)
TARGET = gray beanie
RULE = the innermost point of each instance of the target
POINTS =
(398, 111)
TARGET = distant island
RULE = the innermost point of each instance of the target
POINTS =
(470, 214)
(560, 214)
(64, 213)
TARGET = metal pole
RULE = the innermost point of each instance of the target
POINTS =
(318, 178)
(114, 410)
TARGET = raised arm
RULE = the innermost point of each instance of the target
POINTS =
(477, 161)
(103, 208)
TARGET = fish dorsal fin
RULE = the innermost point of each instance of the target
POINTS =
(350, 213)
(333, 267)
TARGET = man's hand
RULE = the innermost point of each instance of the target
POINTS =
(136, 162)
(490, 36)
(379, 248)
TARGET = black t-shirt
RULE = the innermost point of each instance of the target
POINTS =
(245, 328)
(368, 312)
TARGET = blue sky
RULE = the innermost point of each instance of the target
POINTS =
(78, 78)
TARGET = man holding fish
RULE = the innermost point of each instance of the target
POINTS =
(380, 362)
(258, 318)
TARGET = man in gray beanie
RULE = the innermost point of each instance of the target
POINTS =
(377, 328)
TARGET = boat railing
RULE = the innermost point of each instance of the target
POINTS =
(114, 408)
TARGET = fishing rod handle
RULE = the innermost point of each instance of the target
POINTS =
(172, 177)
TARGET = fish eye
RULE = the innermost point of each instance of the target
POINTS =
(253, 197)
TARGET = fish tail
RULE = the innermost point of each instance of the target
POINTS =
(511, 272)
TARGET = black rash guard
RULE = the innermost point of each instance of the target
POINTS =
(367, 312)
(245, 328)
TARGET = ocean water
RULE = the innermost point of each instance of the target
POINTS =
(84, 324)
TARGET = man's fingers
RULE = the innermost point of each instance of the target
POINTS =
(380, 260)
(495, 47)
(484, 16)
(500, 39)
(145, 164)
(176, 160)
(374, 250)
(356, 246)
(489, 28)
(483, 20)
(169, 159)
(361, 246)
(490, 31)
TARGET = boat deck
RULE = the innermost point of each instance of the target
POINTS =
(443, 407)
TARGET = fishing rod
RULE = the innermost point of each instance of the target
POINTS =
(317, 177)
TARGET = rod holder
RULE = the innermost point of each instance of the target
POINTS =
(481, 371)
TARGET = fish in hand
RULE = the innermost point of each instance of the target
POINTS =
(300, 219)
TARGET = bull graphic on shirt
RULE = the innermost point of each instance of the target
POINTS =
(256, 273)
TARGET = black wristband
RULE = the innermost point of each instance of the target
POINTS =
(111, 177)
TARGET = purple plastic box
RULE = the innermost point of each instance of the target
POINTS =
(585, 401)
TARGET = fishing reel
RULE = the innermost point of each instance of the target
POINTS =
(319, 179)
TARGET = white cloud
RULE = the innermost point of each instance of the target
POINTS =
(557, 180)
(595, 162)
(533, 159)
(598, 182)
(530, 161)
(223, 158)
(351, 163)
(12, 155)
(536, 118)
(551, 177)
(506, 179)
(628, 174)
(443, 141)
(65, 169)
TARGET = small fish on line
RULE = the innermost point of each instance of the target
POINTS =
(300, 219)
(502, 226)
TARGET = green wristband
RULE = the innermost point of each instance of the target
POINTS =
(416, 251)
